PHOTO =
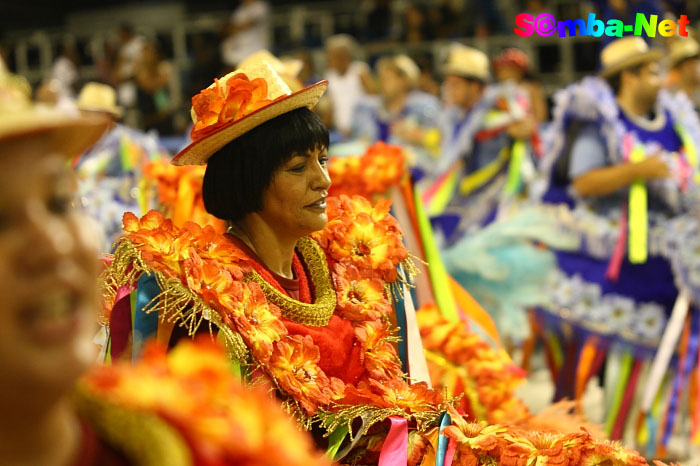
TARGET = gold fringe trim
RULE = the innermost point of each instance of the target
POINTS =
(174, 304)
(345, 415)
(317, 314)
(143, 437)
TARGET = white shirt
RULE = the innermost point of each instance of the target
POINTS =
(345, 91)
(236, 47)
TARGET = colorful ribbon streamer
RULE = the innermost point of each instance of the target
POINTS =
(513, 183)
(395, 449)
(638, 221)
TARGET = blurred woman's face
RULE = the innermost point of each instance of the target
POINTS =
(392, 84)
(48, 281)
(295, 202)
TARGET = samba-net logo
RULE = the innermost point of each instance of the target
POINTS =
(546, 25)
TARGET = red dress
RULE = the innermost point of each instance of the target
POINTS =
(341, 353)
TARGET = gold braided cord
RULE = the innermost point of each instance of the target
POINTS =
(144, 438)
(317, 314)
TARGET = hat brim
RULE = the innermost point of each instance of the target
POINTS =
(640, 59)
(461, 72)
(114, 111)
(198, 152)
(71, 135)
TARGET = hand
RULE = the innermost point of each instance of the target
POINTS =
(652, 167)
(522, 129)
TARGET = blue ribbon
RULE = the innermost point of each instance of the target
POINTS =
(145, 324)
(443, 441)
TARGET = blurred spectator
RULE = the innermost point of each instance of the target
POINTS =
(128, 56)
(399, 109)
(427, 82)
(378, 26)
(444, 19)
(417, 27)
(246, 33)
(154, 90)
(349, 80)
(514, 65)
(685, 67)
(105, 63)
(51, 93)
(206, 63)
(308, 74)
(65, 68)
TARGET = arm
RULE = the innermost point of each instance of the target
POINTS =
(607, 180)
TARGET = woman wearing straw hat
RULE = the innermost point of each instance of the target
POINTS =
(304, 290)
(685, 67)
(625, 154)
(401, 113)
(110, 178)
(53, 413)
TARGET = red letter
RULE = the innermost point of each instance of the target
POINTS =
(682, 23)
(526, 22)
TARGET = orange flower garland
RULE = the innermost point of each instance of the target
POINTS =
(193, 389)
(379, 168)
(482, 444)
(208, 268)
(488, 376)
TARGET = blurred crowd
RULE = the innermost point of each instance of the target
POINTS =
(154, 91)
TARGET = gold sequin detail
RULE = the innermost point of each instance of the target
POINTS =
(317, 314)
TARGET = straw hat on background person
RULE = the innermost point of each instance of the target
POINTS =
(67, 132)
(98, 97)
(624, 53)
(467, 62)
(287, 68)
(235, 104)
(683, 48)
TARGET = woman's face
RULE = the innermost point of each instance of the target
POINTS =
(295, 202)
(392, 84)
(48, 275)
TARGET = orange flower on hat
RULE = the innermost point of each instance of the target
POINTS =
(225, 102)
(412, 398)
(294, 364)
(359, 298)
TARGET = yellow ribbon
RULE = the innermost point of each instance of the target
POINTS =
(483, 175)
(638, 222)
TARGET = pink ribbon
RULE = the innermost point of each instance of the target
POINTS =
(450, 453)
(395, 449)
(613, 272)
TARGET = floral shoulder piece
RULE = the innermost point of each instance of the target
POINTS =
(187, 407)
(205, 279)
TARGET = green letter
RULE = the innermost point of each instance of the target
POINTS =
(649, 27)
(614, 28)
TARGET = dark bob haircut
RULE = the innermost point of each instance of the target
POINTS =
(240, 172)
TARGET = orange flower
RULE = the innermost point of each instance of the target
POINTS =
(613, 453)
(224, 103)
(359, 298)
(257, 322)
(411, 398)
(162, 245)
(294, 364)
(213, 246)
(543, 448)
(373, 173)
(381, 361)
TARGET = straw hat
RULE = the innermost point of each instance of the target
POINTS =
(288, 66)
(69, 133)
(682, 49)
(223, 129)
(98, 97)
(467, 62)
(624, 53)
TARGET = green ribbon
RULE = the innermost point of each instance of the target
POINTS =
(335, 440)
(638, 214)
(513, 182)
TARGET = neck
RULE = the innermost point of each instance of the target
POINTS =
(49, 436)
(274, 250)
(689, 87)
(634, 106)
(395, 103)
